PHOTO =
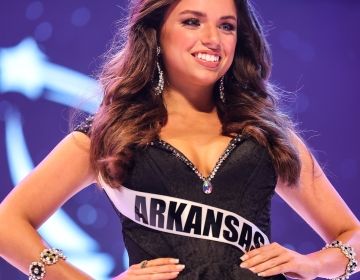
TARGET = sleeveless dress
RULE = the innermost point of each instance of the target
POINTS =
(243, 184)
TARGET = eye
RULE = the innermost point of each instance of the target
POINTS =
(191, 22)
(228, 26)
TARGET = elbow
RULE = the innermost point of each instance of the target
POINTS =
(349, 232)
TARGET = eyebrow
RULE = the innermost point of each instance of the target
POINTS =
(201, 14)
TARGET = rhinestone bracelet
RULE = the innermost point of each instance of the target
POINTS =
(349, 252)
(47, 257)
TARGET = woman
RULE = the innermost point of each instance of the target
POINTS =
(189, 146)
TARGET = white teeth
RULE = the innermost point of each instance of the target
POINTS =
(208, 57)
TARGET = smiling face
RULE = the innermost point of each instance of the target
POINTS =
(198, 40)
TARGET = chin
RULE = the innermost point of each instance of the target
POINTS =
(205, 80)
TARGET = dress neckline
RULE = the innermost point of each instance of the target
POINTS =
(207, 187)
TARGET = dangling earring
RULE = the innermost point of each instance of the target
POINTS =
(160, 86)
(222, 90)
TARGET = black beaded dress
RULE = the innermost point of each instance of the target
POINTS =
(243, 183)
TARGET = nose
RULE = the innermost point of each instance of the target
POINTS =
(210, 37)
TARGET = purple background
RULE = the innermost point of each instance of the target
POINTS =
(315, 47)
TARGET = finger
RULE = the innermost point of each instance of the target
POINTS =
(159, 269)
(158, 261)
(269, 264)
(283, 268)
(159, 276)
(260, 250)
(263, 256)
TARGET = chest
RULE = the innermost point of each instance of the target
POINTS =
(200, 144)
(202, 148)
(243, 180)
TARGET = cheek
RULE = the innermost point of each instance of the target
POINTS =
(230, 46)
(176, 46)
(180, 39)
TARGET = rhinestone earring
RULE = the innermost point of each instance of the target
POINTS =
(222, 90)
(160, 86)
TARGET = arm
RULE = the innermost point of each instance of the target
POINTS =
(318, 203)
(64, 172)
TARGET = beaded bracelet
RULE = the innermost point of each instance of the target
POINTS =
(349, 252)
(47, 257)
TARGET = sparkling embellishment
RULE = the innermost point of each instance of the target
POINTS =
(85, 126)
(222, 90)
(160, 86)
(349, 252)
(207, 186)
(36, 271)
(48, 256)
(51, 256)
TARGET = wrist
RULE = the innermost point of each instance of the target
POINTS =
(51, 264)
(348, 252)
(48, 257)
(329, 263)
(333, 261)
(317, 263)
(64, 270)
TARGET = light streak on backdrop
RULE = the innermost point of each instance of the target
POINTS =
(25, 69)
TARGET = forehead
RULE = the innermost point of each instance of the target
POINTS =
(211, 8)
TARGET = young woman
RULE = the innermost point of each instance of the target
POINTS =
(189, 145)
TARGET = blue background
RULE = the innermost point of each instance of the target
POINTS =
(315, 47)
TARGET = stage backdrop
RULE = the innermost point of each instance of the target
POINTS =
(50, 52)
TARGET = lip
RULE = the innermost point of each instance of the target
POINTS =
(207, 52)
(208, 64)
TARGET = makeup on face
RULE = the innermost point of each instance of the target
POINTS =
(198, 39)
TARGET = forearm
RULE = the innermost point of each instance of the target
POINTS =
(332, 262)
(20, 245)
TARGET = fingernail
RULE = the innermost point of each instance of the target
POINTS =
(243, 265)
(174, 260)
(180, 266)
(244, 257)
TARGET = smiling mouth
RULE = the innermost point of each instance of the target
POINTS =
(207, 57)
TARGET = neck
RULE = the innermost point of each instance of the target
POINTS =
(189, 100)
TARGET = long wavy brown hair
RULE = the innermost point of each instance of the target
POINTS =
(131, 115)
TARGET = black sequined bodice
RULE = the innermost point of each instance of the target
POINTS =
(244, 183)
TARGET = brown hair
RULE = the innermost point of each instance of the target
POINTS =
(131, 116)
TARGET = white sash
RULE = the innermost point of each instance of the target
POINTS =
(186, 218)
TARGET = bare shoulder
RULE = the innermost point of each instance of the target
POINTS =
(64, 171)
(72, 155)
(315, 199)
